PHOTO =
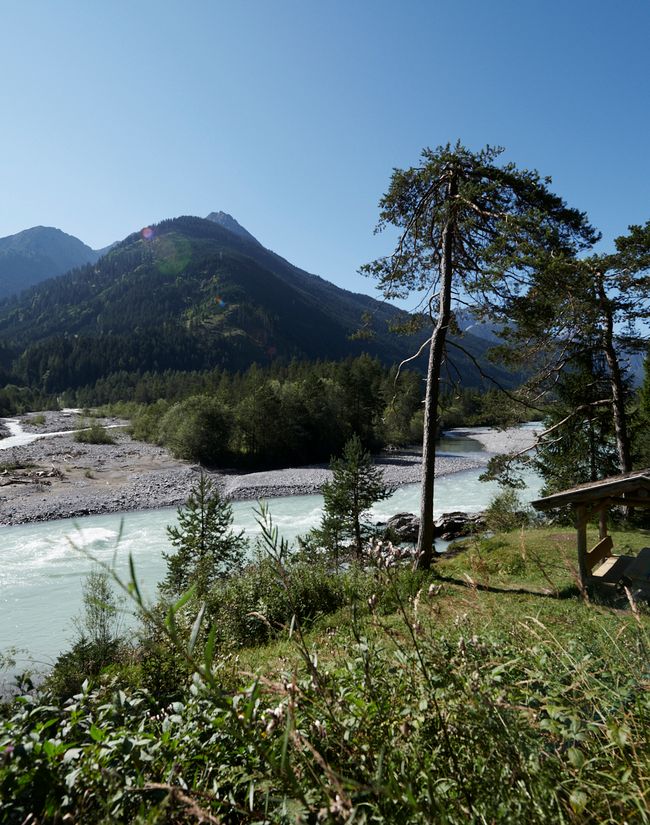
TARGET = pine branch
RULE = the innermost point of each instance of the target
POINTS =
(496, 383)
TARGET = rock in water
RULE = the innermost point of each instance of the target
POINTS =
(456, 525)
(403, 527)
(406, 526)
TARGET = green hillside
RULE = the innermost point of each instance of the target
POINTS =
(189, 294)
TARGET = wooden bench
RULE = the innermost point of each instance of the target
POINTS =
(612, 570)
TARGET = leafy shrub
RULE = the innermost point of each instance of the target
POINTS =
(255, 605)
(95, 434)
(145, 420)
(506, 512)
(513, 726)
(85, 660)
(429, 715)
(197, 429)
(99, 642)
(163, 670)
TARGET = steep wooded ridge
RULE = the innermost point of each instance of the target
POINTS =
(39, 253)
(191, 294)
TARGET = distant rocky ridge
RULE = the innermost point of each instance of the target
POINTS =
(42, 252)
(39, 253)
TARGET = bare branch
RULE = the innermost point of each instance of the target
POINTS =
(496, 383)
(411, 358)
(541, 436)
(483, 212)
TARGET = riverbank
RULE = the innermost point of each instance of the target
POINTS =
(56, 477)
(511, 440)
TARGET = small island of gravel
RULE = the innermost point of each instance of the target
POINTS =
(57, 477)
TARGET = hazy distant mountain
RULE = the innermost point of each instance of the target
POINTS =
(191, 294)
(635, 363)
(481, 329)
(35, 254)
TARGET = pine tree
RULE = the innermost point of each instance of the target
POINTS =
(355, 486)
(642, 430)
(579, 448)
(207, 548)
(590, 311)
(472, 234)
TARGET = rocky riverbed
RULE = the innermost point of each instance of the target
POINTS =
(57, 477)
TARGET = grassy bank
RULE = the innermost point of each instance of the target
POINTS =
(488, 690)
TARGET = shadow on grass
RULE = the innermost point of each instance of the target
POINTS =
(568, 592)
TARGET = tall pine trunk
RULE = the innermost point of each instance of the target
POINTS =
(425, 546)
(619, 413)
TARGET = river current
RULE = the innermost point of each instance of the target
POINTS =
(43, 565)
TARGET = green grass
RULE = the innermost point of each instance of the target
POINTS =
(544, 558)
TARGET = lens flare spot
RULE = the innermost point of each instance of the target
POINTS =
(147, 233)
(219, 301)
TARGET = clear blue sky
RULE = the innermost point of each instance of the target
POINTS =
(290, 114)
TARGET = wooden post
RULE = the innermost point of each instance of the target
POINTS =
(581, 527)
(602, 521)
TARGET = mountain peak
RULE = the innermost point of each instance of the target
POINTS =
(229, 223)
(38, 253)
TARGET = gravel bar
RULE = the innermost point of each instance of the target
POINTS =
(67, 479)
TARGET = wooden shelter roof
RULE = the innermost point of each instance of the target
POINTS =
(628, 484)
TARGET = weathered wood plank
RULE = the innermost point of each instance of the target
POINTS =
(601, 551)
(612, 569)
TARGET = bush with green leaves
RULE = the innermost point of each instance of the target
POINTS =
(260, 602)
(197, 429)
(99, 642)
(403, 725)
(94, 434)
(506, 512)
(145, 420)
(458, 706)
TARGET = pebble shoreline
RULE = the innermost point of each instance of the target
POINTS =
(132, 475)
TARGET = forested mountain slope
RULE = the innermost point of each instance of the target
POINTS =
(190, 294)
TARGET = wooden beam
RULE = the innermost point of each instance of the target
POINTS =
(637, 502)
(602, 521)
(581, 527)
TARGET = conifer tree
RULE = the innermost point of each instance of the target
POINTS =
(207, 549)
(355, 486)
(582, 447)
(473, 235)
(589, 311)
